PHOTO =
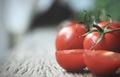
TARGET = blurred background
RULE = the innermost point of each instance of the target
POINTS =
(23, 20)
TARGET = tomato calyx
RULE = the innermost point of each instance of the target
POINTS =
(102, 31)
(92, 26)
(95, 27)
(87, 24)
(85, 21)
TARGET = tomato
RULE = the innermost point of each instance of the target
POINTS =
(110, 40)
(102, 62)
(71, 60)
(67, 37)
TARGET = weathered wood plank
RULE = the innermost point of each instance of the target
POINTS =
(37, 67)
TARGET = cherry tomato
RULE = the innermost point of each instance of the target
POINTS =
(110, 40)
(71, 60)
(67, 37)
(102, 62)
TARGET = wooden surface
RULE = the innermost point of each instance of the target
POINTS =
(35, 57)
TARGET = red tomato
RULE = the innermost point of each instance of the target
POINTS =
(110, 41)
(67, 37)
(102, 62)
(71, 60)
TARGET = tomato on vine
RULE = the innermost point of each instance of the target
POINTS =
(91, 44)
(106, 38)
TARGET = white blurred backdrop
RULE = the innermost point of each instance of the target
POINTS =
(16, 17)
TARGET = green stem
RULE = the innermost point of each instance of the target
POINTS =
(101, 31)
(98, 28)
(108, 25)
(99, 39)
(108, 31)
(87, 33)
(85, 16)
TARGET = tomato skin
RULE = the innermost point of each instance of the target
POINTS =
(102, 62)
(67, 37)
(70, 60)
(110, 41)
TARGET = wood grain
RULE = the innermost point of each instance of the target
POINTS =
(35, 57)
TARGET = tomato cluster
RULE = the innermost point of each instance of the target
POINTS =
(98, 50)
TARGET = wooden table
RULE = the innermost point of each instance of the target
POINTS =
(35, 57)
